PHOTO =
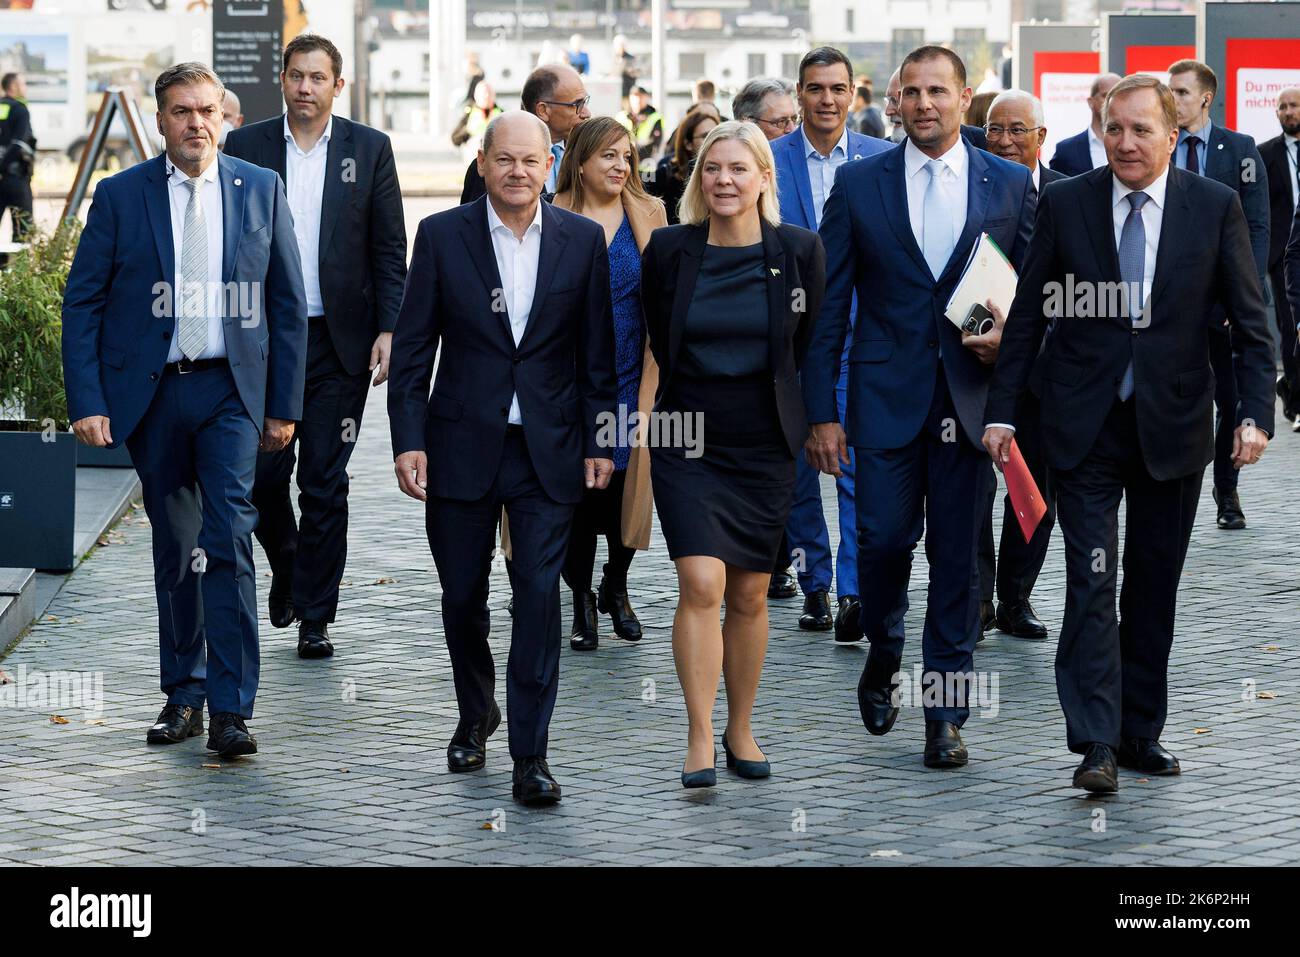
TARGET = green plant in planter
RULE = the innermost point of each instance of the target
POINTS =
(31, 327)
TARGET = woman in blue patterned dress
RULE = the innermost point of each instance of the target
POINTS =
(598, 179)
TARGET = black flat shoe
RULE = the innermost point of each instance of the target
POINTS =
(532, 783)
(782, 585)
(1020, 621)
(279, 600)
(877, 692)
(616, 604)
(314, 639)
(175, 723)
(583, 636)
(943, 745)
(817, 612)
(1096, 773)
(848, 621)
(753, 770)
(1230, 515)
(229, 736)
(1148, 756)
(468, 748)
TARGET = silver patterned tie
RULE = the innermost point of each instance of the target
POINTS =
(192, 333)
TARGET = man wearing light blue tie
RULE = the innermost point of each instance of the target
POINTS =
(807, 162)
(898, 229)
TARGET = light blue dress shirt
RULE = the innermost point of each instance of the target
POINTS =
(821, 169)
(1202, 150)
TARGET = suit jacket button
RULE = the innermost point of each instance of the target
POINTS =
(167, 335)
(153, 377)
(517, 360)
(505, 411)
(932, 344)
(1135, 332)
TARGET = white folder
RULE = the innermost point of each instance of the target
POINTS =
(988, 275)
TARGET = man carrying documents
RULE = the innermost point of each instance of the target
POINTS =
(1131, 259)
(900, 228)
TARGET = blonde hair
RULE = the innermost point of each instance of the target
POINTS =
(693, 208)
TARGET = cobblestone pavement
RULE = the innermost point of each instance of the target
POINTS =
(352, 767)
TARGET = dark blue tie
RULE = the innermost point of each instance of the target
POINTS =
(1193, 163)
(1132, 267)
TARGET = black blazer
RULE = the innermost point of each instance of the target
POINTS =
(362, 230)
(1204, 259)
(796, 280)
(562, 369)
(1047, 176)
(1072, 155)
(473, 187)
(1281, 207)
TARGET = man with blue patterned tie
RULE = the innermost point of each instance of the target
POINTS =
(1210, 150)
(556, 95)
(1143, 251)
(898, 229)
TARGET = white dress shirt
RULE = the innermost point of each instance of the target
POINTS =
(517, 265)
(178, 197)
(1289, 146)
(1036, 175)
(304, 175)
(1096, 149)
(952, 185)
(1153, 214)
(822, 169)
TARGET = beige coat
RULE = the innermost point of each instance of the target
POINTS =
(638, 500)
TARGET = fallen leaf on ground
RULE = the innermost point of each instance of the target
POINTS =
(95, 721)
(485, 826)
(886, 853)
(1143, 780)
(1266, 695)
(1200, 730)
(1272, 648)
(58, 719)
(212, 767)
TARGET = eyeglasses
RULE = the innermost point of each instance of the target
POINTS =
(1016, 132)
(781, 122)
(577, 105)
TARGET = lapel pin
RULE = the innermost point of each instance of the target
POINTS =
(238, 181)
(774, 271)
(1220, 146)
(857, 156)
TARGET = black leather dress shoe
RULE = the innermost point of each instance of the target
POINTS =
(1147, 755)
(1019, 620)
(876, 692)
(229, 736)
(175, 723)
(943, 745)
(468, 748)
(279, 600)
(616, 604)
(1097, 772)
(583, 636)
(817, 612)
(848, 621)
(1230, 514)
(314, 639)
(532, 783)
(988, 617)
(782, 585)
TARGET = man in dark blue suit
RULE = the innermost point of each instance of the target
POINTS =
(1016, 130)
(516, 294)
(184, 335)
(807, 161)
(898, 230)
(1084, 151)
(1128, 264)
(1231, 158)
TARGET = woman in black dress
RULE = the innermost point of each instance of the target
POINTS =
(730, 298)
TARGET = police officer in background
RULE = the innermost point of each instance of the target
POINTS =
(17, 153)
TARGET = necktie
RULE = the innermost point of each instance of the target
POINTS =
(192, 333)
(1132, 268)
(553, 177)
(1193, 164)
(1297, 165)
(936, 222)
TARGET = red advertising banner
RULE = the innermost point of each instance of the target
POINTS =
(1257, 71)
(1155, 59)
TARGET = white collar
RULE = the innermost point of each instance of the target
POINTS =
(176, 175)
(1036, 174)
(842, 144)
(1156, 190)
(914, 160)
(324, 137)
(1093, 137)
(495, 222)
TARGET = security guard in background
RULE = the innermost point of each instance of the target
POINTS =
(17, 153)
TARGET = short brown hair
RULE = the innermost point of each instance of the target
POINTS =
(185, 74)
(682, 157)
(308, 42)
(1205, 77)
(1142, 81)
(932, 52)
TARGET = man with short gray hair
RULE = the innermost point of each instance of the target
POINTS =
(768, 102)
(193, 382)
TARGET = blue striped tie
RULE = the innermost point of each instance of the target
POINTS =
(1132, 269)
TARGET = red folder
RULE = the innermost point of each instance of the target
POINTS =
(1025, 497)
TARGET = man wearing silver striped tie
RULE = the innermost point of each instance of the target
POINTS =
(184, 336)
